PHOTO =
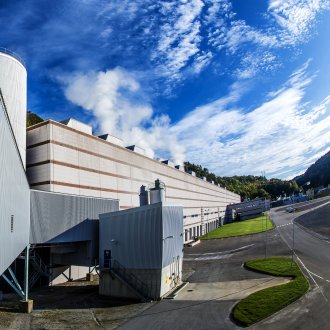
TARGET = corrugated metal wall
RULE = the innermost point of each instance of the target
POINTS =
(172, 234)
(134, 236)
(53, 215)
(14, 197)
(147, 237)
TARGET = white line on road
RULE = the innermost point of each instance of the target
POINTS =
(317, 275)
(311, 276)
(222, 252)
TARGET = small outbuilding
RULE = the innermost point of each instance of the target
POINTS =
(141, 251)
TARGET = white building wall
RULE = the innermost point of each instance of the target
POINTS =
(14, 197)
(79, 163)
(13, 81)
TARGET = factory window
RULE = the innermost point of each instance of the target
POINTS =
(12, 224)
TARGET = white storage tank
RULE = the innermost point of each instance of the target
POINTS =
(13, 82)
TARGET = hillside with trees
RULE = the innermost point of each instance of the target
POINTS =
(32, 119)
(248, 186)
(317, 174)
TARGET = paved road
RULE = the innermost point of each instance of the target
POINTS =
(211, 261)
(222, 260)
(313, 254)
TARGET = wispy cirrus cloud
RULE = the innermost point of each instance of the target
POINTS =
(282, 136)
(169, 40)
(296, 18)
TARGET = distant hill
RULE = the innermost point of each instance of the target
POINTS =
(317, 174)
(248, 186)
(32, 119)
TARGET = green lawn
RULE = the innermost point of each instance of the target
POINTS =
(240, 228)
(263, 303)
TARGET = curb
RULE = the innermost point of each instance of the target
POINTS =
(176, 291)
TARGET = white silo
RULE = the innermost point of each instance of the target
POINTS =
(13, 81)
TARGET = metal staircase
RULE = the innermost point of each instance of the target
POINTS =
(129, 279)
(38, 267)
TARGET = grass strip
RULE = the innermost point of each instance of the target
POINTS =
(266, 302)
(240, 228)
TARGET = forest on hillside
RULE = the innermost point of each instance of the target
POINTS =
(32, 119)
(248, 186)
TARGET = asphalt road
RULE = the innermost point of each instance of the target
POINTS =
(210, 261)
(313, 255)
(222, 260)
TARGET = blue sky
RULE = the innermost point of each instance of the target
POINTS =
(240, 87)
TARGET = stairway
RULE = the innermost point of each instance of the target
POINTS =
(37, 267)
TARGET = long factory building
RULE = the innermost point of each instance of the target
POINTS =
(67, 158)
(58, 179)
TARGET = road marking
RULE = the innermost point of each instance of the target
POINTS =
(307, 270)
(310, 274)
(222, 252)
(287, 224)
(317, 275)
(203, 258)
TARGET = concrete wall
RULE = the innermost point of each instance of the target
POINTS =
(65, 160)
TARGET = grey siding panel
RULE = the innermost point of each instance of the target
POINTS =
(134, 237)
(55, 217)
(172, 242)
(14, 197)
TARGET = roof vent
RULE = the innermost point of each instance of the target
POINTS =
(112, 139)
(78, 125)
(168, 162)
(136, 149)
(179, 167)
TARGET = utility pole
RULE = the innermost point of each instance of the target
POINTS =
(266, 235)
(293, 216)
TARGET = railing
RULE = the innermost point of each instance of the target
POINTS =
(130, 279)
(12, 54)
(38, 264)
(38, 269)
(33, 278)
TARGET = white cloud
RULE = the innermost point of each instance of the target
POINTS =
(279, 137)
(282, 136)
(115, 99)
(179, 37)
(255, 61)
(296, 17)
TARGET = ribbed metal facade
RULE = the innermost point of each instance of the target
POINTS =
(172, 234)
(13, 84)
(14, 196)
(147, 237)
(133, 236)
(55, 217)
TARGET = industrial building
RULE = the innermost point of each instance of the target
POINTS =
(148, 241)
(67, 158)
(58, 179)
